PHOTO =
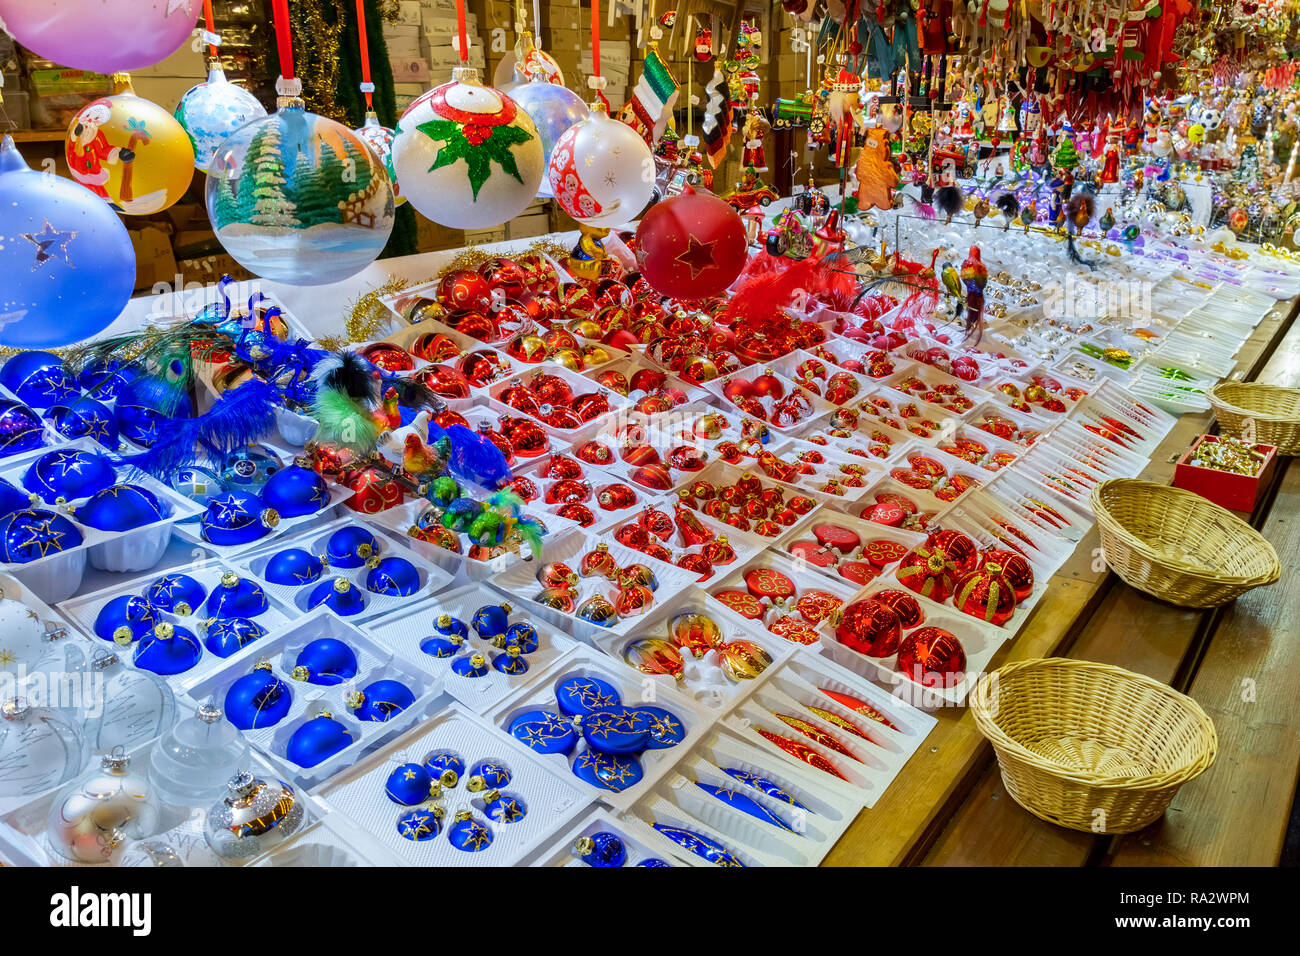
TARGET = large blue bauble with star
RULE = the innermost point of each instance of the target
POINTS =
(523, 636)
(66, 258)
(236, 597)
(382, 700)
(21, 429)
(103, 380)
(295, 491)
(167, 649)
(86, 418)
(544, 732)
(614, 772)
(12, 499)
(176, 594)
(666, 728)
(27, 536)
(327, 661)
(351, 546)
(584, 695)
(228, 636)
(393, 576)
(408, 784)
(617, 730)
(237, 517)
(491, 620)
(422, 823)
(293, 567)
(125, 619)
(68, 474)
(39, 379)
(601, 848)
(339, 595)
(121, 508)
(317, 740)
(144, 407)
(258, 699)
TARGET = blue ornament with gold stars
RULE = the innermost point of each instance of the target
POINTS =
(653, 861)
(237, 597)
(472, 666)
(488, 775)
(103, 380)
(125, 619)
(293, 567)
(422, 823)
(544, 732)
(258, 699)
(435, 645)
(510, 661)
(393, 576)
(585, 695)
(196, 483)
(86, 418)
(121, 508)
(167, 649)
(317, 739)
(351, 546)
(227, 636)
(469, 834)
(326, 661)
(604, 771)
(339, 596)
(491, 620)
(237, 517)
(504, 807)
(250, 467)
(21, 429)
(666, 728)
(449, 626)
(763, 785)
(39, 380)
(30, 535)
(408, 784)
(381, 700)
(445, 766)
(144, 408)
(745, 804)
(13, 498)
(67, 475)
(617, 730)
(699, 844)
(601, 849)
(176, 594)
(296, 491)
(522, 635)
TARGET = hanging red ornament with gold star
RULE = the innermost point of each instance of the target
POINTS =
(691, 246)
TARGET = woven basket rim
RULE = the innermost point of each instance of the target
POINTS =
(1112, 525)
(980, 702)
(1216, 397)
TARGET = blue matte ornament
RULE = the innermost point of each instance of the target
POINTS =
(40, 379)
(381, 700)
(745, 804)
(585, 695)
(544, 732)
(21, 429)
(30, 535)
(125, 619)
(66, 258)
(488, 775)
(13, 499)
(293, 567)
(237, 517)
(176, 593)
(666, 728)
(86, 418)
(469, 834)
(339, 596)
(614, 772)
(491, 620)
(67, 475)
(237, 597)
(618, 730)
(448, 625)
(144, 408)
(420, 824)
(474, 665)
(523, 636)
(408, 784)
(258, 699)
(351, 546)
(296, 491)
(317, 740)
(121, 508)
(250, 467)
(226, 637)
(511, 662)
(763, 785)
(503, 807)
(326, 661)
(167, 649)
(601, 849)
(445, 766)
(437, 646)
(699, 844)
(393, 576)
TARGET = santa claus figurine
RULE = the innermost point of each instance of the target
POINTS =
(752, 132)
(1110, 164)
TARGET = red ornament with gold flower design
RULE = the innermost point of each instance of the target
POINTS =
(986, 594)
(929, 572)
(960, 548)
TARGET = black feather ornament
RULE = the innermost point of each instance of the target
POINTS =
(1079, 212)
(950, 200)
(1009, 206)
(349, 374)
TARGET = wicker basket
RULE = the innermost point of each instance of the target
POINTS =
(1274, 410)
(1075, 737)
(1175, 545)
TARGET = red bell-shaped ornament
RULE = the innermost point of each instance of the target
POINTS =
(373, 490)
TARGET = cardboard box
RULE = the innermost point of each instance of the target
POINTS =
(528, 226)
(446, 27)
(404, 48)
(501, 13)
(413, 70)
(409, 13)
(481, 237)
(1224, 488)
(558, 41)
(154, 262)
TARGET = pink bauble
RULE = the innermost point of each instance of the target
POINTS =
(107, 36)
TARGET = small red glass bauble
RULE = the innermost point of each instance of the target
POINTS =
(562, 418)
(638, 453)
(687, 458)
(512, 319)
(561, 339)
(577, 512)
(647, 380)
(699, 369)
(501, 441)
(594, 453)
(726, 362)
(504, 274)
(769, 386)
(656, 522)
(654, 476)
(691, 245)
(633, 600)
(476, 325)
(559, 466)
(752, 406)
(590, 405)
(841, 387)
(932, 657)
(698, 564)
(598, 563)
(719, 551)
(524, 487)
(557, 574)
(464, 289)
(389, 357)
(652, 405)
(448, 418)
(737, 389)
(614, 380)
(959, 547)
(437, 535)
(1015, 568)
(551, 389)
(443, 380)
(568, 490)
(576, 302)
(373, 490)
(435, 347)
(870, 628)
(520, 399)
(986, 594)
(528, 348)
(483, 367)
(632, 536)
(927, 571)
(526, 436)
(539, 272)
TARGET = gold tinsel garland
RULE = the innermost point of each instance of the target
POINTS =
(316, 54)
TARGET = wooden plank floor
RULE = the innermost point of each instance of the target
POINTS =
(949, 807)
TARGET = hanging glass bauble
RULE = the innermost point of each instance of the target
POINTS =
(601, 171)
(190, 766)
(67, 260)
(380, 140)
(466, 155)
(553, 109)
(39, 749)
(298, 198)
(93, 817)
(691, 246)
(212, 110)
(136, 705)
(254, 816)
(129, 151)
(105, 36)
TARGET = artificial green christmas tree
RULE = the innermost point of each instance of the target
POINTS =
(1066, 156)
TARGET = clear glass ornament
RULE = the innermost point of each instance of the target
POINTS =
(191, 766)
(254, 816)
(30, 645)
(39, 749)
(93, 817)
(137, 705)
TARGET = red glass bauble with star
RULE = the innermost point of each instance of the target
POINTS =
(932, 657)
(870, 628)
(464, 290)
(691, 245)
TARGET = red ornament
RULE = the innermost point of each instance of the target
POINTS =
(435, 347)
(691, 246)
(443, 380)
(615, 497)
(576, 512)
(633, 600)
(657, 523)
(697, 563)
(568, 490)
(373, 490)
(932, 657)
(870, 628)
(558, 466)
(1015, 568)
(551, 389)
(595, 453)
(903, 604)
(647, 380)
(557, 575)
(476, 325)
(483, 367)
(525, 436)
(986, 594)
(465, 290)
(768, 385)
(929, 572)
(769, 583)
(506, 275)
(598, 563)
(525, 488)
(797, 749)
(654, 476)
(959, 547)
(590, 405)
(614, 380)
(389, 357)
(633, 536)
(693, 532)
(562, 418)
(520, 399)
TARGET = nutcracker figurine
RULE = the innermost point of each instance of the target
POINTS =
(845, 112)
